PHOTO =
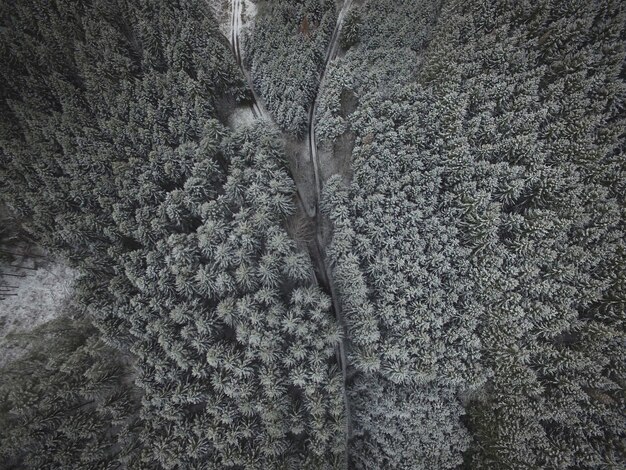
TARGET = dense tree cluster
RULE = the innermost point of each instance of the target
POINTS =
(478, 254)
(391, 37)
(351, 29)
(538, 178)
(113, 156)
(236, 346)
(104, 116)
(484, 224)
(285, 51)
(69, 403)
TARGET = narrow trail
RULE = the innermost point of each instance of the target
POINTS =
(317, 250)
(258, 110)
(331, 53)
(325, 277)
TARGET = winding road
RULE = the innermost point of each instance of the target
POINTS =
(331, 53)
(317, 250)
(258, 110)
(325, 273)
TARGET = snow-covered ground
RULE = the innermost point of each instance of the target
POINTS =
(222, 12)
(238, 16)
(39, 297)
(241, 116)
(234, 18)
(249, 11)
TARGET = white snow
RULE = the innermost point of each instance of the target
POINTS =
(250, 10)
(241, 116)
(39, 297)
(221, 11)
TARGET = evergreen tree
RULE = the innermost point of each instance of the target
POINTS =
(285, 52)
(69, 402)
(177, 226)
(482, 222)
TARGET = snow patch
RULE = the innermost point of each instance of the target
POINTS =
(241, 116)
(221, 12)
(249, 12)
(39, 297)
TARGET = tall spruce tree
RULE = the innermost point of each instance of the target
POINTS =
(485, 196)
(115, 158)
(69, 403)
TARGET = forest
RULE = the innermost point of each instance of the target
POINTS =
(415, 258)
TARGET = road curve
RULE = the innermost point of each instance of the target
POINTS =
(235, 29)
(331, 53)
(318, 252)
(325, 271)
(258, 109)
